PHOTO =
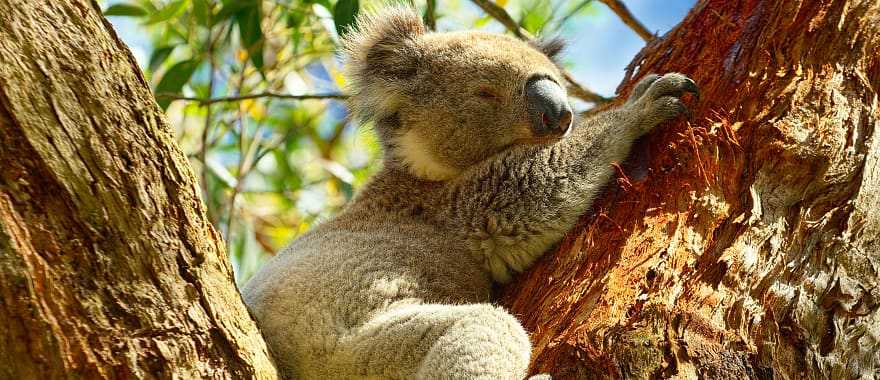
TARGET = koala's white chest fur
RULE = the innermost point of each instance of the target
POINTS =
(410, 149)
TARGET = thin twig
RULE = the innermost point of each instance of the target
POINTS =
(627, 17)
(284, 138)
(431, 15)
(203, 150)
(573, 12)
(243, 155)
(501, 15)
(205, 101)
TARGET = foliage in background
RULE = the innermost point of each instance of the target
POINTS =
(253, 90)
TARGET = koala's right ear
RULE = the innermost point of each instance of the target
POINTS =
(380, 56)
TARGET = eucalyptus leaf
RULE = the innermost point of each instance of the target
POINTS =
(344, 14)
(125, 9)
(232, 8)
(174, 79)
(324, 3)
(294, 19)
(201, 10)
(170, 10)
(159, 56)
(251, 31)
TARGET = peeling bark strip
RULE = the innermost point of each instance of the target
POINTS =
(108, 267)
(746, 243)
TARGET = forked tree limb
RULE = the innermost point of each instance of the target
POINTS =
(499, 14)
(267, 94)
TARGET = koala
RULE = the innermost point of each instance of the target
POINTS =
(484, 169)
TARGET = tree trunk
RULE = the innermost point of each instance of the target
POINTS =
(108, 266)
(746, 242)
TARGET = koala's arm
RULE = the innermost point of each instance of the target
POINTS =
(516, 206)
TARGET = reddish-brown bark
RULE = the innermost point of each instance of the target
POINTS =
(742, 243)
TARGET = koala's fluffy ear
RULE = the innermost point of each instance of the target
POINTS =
(551, 47)
(380, 56)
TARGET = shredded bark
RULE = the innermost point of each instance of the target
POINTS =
(744, 243)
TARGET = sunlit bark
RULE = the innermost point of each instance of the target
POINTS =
(108, 266)
(746, 242)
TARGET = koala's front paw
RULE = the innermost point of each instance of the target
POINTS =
(641, 87)
(658, 98)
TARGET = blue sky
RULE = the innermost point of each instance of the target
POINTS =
(600, 46)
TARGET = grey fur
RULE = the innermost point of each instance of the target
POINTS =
(397, 286)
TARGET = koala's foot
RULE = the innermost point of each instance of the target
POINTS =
(433, 341)
(479, 342)
(658, 98)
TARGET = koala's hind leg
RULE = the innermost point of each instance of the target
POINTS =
(475, 341)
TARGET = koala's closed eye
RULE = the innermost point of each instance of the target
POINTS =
(488, 93)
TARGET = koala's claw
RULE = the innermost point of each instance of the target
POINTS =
(672, 84)
(691, 86)
(654, 87)
(669, 107)
(658, 98)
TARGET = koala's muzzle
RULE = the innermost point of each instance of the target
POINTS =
(548, 107)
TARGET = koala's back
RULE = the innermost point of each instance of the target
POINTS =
(332, 280)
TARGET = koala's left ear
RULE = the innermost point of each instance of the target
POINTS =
(381, 44)
(380, 55)
(551, 47)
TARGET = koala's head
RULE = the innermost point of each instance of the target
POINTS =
(442, 102)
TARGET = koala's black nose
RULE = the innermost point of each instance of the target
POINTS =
(548, 107)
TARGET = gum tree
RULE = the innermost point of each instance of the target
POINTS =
(741, 243)
(744, 243)
(108, 264)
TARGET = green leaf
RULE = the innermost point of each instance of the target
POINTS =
(534, 19)
(344, 14)
(124, 9)
(202, 12)
(170, 10)
(325, 3)
(251, 32)
(232, 8)
(482, 21)
(294, 19)
(174, 80)
(159, 56)
(347, 190)
(148, 6)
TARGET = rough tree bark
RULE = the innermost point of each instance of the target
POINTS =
(108, 266)
(746, 242)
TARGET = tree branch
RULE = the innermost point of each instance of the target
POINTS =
(501, 15)
(627, 17)
(430, 15)
(251, 96)
(581, 92)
